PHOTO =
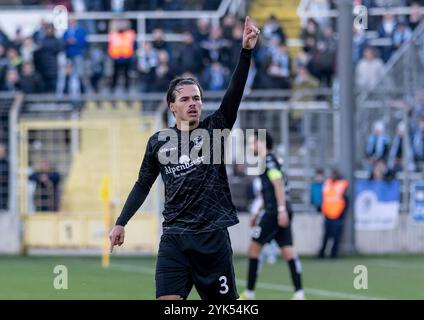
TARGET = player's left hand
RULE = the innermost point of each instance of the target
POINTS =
(252, 220)
(250, 34)
(283, 219)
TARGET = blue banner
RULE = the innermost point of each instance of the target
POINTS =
(416, 206)
(377, 204)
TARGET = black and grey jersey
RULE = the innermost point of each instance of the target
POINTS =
(197, 194)
(273, 170)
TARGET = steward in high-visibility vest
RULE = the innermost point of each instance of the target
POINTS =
(121, 44)
(333, 201)
(334, 204)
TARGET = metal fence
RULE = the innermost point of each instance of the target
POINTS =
(396, 98)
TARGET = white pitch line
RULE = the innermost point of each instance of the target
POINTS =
(386, 263)
(263, 285)
(395, 264)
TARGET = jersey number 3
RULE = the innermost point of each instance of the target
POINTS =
(224, 286)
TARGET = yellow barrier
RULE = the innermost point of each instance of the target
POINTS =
(112, 146)
(49, 230)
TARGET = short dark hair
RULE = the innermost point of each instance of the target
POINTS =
(319, 171)
(181, 81)
(268, 138)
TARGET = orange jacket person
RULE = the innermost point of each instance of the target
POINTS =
(334, 205)
(121, 50)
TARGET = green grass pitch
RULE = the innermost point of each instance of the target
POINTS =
(389, 277)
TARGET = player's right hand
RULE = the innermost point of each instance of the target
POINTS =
(283, 219)
(116, 236)
(253, 218)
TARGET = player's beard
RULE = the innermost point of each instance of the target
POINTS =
(193, 122)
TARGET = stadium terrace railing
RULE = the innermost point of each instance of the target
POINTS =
(394, 99)
(304, 11)
(10, 20)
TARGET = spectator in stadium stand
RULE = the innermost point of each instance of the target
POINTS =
(378, 143)
(279, 70)
(4, 178)
(380, 172)
(45, 59)
(75, 42)
(395, 159)
(215, 77)
(3, 67)
(369, 70)
(69, 82)
(401, 34)
(324, 57)
(272, 27)
(334, 206)
(201, 33)
(228, 23)
(97, 62)
(4, 39)
(163, 72)
(268, 50)
(316, 189)
(14, 60)
(121, 49)
(17, 40)
(147, 62)
(27, 49)
(187, 55)
(31, 81)
(46, 194)
(385, 31)
(416, 16)
(216, 47)
(359, 44)
(40, 34)
(418, 143)
(310, 35)
(159, 42)
(12, 81)
(195, 248)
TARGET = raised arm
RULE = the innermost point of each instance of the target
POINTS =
(231, 101)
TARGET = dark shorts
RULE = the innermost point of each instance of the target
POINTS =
(203, 260)
(267, 229)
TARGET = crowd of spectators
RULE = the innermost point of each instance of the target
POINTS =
(48, 62)
(386, 153)
(69, 64)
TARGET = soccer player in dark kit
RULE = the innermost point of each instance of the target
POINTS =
(275, 223)
(195, 247)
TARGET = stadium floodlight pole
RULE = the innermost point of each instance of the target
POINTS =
(347, 114)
